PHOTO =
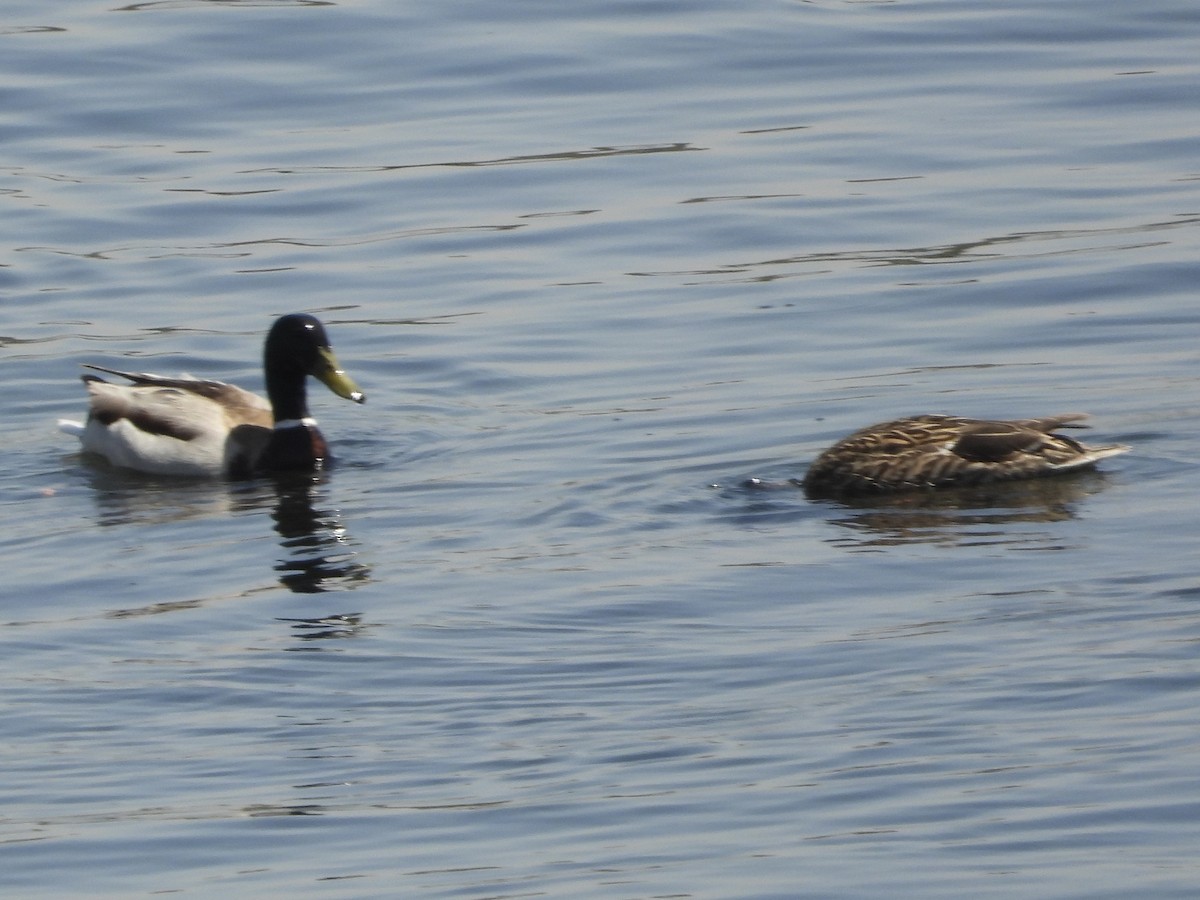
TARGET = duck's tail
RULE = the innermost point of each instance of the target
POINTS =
(69, 426)
(1090, 456)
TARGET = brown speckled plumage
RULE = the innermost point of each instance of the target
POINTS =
(949, 451)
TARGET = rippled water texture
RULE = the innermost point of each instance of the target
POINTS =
(611, 274)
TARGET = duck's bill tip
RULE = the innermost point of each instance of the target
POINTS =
(342, 385)
(330, 374)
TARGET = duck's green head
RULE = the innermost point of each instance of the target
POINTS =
(297, 345)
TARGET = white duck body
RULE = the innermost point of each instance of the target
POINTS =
(189, 426)
(173, 426)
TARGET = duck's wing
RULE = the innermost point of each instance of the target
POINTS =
(233, 398)
(994, 441)
(173, 412)
(1033, 442)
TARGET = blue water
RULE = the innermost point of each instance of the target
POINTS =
(596, 265)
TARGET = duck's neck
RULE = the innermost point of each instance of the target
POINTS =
(296, 443)
(288, 396)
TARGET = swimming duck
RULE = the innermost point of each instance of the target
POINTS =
(950, 451)
(188, 426)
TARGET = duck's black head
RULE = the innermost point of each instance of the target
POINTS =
(297, 346)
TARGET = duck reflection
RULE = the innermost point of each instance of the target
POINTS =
(980, 514)
(132, 498)
(998, 513)
(319, 554)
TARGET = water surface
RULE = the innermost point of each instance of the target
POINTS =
(596, 267)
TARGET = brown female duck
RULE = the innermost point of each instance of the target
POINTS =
(950, 451)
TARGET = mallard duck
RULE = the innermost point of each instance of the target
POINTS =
(949, 451)
(188, 426)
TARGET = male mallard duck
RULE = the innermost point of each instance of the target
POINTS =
(187, 426)
(949, 451)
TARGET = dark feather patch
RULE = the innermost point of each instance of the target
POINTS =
(994, 443)
(149, 424)
(169, 428)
